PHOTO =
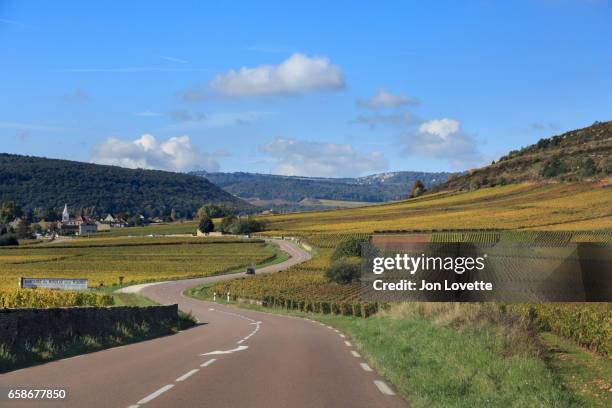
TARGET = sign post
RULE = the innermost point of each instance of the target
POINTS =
(53, 283)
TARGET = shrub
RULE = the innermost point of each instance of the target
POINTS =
(344, 271)
(206, 225)
(8, 239)
(350, 247)
(554, 167)
(243, 226)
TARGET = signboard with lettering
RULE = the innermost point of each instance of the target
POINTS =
(53, 283)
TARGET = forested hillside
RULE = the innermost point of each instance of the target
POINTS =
(40, 183)
(289, 190)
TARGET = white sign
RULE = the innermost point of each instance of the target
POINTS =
(53, 283)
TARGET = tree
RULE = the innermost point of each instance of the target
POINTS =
(214, 211)
(554, 167)
(418, 188)
(245, 226)
(206, 225)
(226, 224)
(350, 247)
(9, 211)
(344, 271)
(588, 168)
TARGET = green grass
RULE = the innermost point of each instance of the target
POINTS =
(587, 374)
(22, 355)
(433, 365)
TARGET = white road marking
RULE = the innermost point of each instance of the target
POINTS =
(348, 343)
(134, 406)
(342, 335)
(211, 309)
(383, 387)
(366, 367)
(240, 341)
(336, 330)
(209, 362)
(355, 354)
(156, 394)
(187, 375)
(239, 348)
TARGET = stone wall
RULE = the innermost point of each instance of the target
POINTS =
(30, 325)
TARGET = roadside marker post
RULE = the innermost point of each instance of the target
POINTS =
(227, 297)
(214, 296)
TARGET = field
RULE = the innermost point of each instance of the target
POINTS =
(143, 259)
(520, 210)
(581, 206)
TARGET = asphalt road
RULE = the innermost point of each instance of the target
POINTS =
(235, 358)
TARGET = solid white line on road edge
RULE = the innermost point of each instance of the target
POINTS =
(366, 367)
(240, 341)
(209, 362)
(156, 394)
(187, 375)
(355, 354)
(383, 387)
(348, 343)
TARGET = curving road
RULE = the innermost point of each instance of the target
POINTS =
(235, 358)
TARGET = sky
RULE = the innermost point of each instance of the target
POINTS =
(330, 89)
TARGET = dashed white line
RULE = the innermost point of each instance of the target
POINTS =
(187, 375)
(355, 354)
(342, 335)
(383, 387)
(348, 343)
(239, 348)
(209, 362)
(366, 367)
(155, 394)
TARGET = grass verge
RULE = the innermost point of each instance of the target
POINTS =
(440, 360)
(23, 355)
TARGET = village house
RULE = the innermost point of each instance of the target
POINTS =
(81, 225)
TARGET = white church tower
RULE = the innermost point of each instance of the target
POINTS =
(65, 215)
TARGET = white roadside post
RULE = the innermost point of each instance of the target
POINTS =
(227, 297)
(214, 296)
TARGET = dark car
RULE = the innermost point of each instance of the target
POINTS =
(250, 271)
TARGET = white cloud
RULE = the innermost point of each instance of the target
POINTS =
(298, 73)
(304, 158)
(443, 139)
(441, 128)
(175, 154)
(384, 99)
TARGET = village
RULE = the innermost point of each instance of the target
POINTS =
(15, 222)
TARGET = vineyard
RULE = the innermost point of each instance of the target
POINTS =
(138, 260)
(516, 213)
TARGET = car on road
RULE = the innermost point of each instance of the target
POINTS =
(250, 270)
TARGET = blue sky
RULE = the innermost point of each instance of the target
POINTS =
(315, 88)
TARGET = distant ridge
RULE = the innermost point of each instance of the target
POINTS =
(36, 182)
(295, 192)
(572, 156)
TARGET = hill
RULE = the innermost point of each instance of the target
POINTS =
(34, 182)
(572, 156)
(294, 193)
